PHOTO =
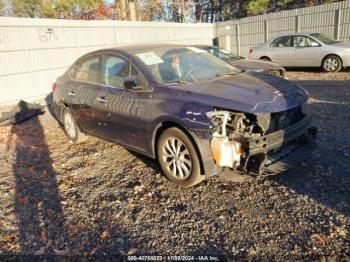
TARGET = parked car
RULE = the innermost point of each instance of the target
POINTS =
(244, 64)
(305, 50)
(190, 110)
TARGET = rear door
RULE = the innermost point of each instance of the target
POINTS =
(281, 51)
(306, 51)
(86, 76)
(110, 97)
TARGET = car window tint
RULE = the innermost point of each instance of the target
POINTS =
(303, 41)
(116, 69)
(285, 41)
(88, 69)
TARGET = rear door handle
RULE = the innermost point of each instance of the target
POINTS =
(71, 93)
(101, 100)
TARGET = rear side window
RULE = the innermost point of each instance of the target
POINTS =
(285, 41)
(115, 70)
(88, 69)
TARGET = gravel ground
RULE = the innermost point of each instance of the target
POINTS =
(98, 199)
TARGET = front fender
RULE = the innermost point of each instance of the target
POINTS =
(193, 119)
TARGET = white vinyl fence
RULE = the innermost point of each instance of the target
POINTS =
(241, 34)
(34, 52)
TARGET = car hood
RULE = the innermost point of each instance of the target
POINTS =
(251, 92)
(342, 45)
(250, 64)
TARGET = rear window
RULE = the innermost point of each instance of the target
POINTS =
(324, 39)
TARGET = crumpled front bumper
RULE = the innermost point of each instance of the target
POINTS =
(279, 138)
(278, 151)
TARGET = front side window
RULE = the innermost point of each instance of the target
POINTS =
(285, 41)
(88, 69)
(304, 41)
(115, 70)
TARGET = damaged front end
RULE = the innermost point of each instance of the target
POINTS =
(252, 143)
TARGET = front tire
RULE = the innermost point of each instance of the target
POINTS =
(71, 128)
(178, 158)
(331, 63)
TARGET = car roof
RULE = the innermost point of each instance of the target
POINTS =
(292, 34)
(204, 46)
(137, 48)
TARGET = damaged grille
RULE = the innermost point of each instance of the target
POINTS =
(281, 120)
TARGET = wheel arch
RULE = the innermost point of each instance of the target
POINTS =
(265, 57)
(161, 127)
(341, 61)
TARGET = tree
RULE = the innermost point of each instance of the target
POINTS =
(181, 11)
(2, 7)
(257, 7)
(25, 8)
(102, 11)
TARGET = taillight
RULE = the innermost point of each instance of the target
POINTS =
(53, 87)
(250, 51)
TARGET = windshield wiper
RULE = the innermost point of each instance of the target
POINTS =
(179, 82)
(226, 74)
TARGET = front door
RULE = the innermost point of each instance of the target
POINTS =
(121, 113)
(306, 51)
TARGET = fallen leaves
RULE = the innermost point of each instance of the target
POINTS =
(70, 181)
(131, 205)
(9, 237)
(43, 236)
(130, 252)
(22, 200)
(319, 238)
(61, 252)
(104, 235)
(62, 187)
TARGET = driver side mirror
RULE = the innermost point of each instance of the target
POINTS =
(131, 83)
(315, 44)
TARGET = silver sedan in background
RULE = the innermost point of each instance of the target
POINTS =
(305, 50)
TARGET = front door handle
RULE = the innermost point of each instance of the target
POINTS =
(101, 100)
(71, 93)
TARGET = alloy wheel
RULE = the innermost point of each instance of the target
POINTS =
(69, 125)
(177, 158)
(331, 64)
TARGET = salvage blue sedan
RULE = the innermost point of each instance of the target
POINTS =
(194, 113)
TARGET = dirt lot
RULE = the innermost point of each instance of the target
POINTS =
(98, 199)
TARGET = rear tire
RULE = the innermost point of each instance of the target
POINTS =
(331, 63)
(178, 158)
(71, 128)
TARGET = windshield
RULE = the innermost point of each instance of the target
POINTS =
(222, 54)
(183, 64)
(324, 39)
